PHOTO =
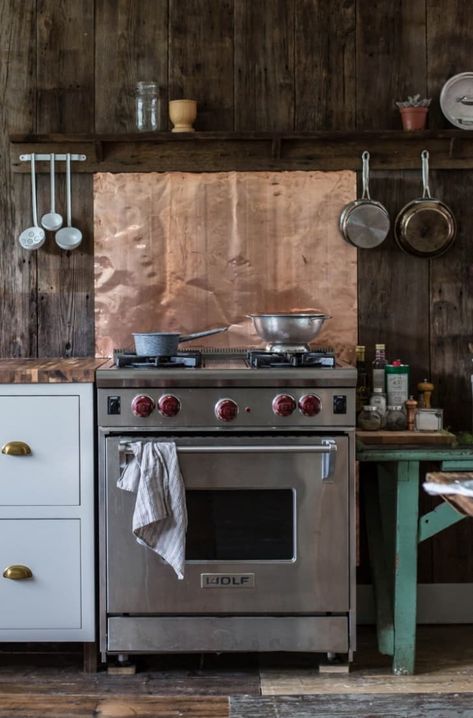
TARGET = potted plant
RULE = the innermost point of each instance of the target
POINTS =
(414, 113)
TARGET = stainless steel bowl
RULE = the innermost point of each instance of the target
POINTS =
(288, 330)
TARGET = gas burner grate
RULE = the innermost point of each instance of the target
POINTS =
(183, 360)
(316, 359)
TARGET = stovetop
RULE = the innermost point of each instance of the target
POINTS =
(227, 367)
(254, 358)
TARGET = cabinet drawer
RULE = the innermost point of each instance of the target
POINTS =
(50, 427)
(52, 597)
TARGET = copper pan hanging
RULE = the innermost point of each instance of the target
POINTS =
(425, 227)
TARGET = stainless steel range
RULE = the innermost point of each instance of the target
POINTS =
(266, 449)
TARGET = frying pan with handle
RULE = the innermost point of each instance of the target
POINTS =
(365, 222)
(425, 227)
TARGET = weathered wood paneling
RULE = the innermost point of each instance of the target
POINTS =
(324, 72)
(393, 289)
(201, 59)
(390, 59)
(65, 64)
(264, 65)
(18, 330)
(393, 301)
(131, 44)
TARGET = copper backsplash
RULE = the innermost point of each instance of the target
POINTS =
(185, 252)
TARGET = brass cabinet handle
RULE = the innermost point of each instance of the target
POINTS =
(16, 448)
(17, 572)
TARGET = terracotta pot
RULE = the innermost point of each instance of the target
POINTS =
(182, 114)
(413, 118)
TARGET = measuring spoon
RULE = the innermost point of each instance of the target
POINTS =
(52, 220)
(33, 237)
(68, 237)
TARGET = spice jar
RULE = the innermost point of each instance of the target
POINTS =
(378, 399)
(396, 420)
(146, 106)
(369, 419)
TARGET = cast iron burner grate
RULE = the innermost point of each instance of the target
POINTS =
(316, 359)
(131, 360)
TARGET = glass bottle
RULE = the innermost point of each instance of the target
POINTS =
(378, 367)
(362, 389)
(396, 419)
(147, 106)
(369, 419)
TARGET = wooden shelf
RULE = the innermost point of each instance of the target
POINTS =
(250, 151)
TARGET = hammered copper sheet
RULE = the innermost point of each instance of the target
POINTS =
(186, 252)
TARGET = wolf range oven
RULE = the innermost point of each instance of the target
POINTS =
(267, 457)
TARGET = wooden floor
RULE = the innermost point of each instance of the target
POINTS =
(37, 683)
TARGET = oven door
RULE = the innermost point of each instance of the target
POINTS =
(268, 529)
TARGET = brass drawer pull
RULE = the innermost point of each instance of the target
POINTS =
(18, 572)
(16, 448)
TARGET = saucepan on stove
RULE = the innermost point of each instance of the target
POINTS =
(166, 343)
(291, 331)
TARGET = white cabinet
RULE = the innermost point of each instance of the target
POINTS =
(47, 512)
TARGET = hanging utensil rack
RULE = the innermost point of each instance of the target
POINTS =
(61, 157)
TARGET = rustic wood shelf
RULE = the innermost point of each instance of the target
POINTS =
(247, 151)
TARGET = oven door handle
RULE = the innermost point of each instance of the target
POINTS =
(328, 449)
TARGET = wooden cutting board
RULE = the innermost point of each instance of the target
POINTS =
(411, 438)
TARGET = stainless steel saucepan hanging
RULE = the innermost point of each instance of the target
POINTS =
(425, 227)
(365, 222)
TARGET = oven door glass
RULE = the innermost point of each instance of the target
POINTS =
(240, 525)
(268, 529)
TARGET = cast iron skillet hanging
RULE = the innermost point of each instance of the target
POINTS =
(364, 222)
(425, 227)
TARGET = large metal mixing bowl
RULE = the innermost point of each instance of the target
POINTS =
(288, 331)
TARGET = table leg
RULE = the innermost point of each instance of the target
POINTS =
(405, 571)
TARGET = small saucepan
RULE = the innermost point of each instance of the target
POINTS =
(364, 223)
(425, 227)
(166, 343)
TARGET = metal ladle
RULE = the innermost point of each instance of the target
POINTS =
(33, 237)
(52, 220)
(68, 237)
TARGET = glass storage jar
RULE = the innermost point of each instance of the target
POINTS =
(396, 419)
(369, 419)
(147, 106)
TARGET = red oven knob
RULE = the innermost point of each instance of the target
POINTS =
(284, 405)
(142, 405)
(169, 405)
(226, 409)
(310, 405)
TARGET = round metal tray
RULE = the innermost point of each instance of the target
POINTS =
(456, 100)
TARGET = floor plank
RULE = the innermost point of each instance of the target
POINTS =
(362, 706)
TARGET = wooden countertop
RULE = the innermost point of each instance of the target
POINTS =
(49, 371)
(406, 438)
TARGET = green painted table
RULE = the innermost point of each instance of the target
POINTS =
(394, 530)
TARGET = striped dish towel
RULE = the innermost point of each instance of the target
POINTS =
(160, 515)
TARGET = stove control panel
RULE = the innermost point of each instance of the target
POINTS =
(310, 405)
(169, 405)
(226, 410)
(142, 405)
(284, 405)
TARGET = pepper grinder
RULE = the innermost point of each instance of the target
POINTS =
(411, 408)
(426, 389)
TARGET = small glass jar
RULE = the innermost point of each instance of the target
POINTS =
(378, 399)
(147, 106)
(396, 419)
(369, 419)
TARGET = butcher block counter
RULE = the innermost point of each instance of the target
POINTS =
(49, 370)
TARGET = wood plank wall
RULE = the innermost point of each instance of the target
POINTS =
(69, 66)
